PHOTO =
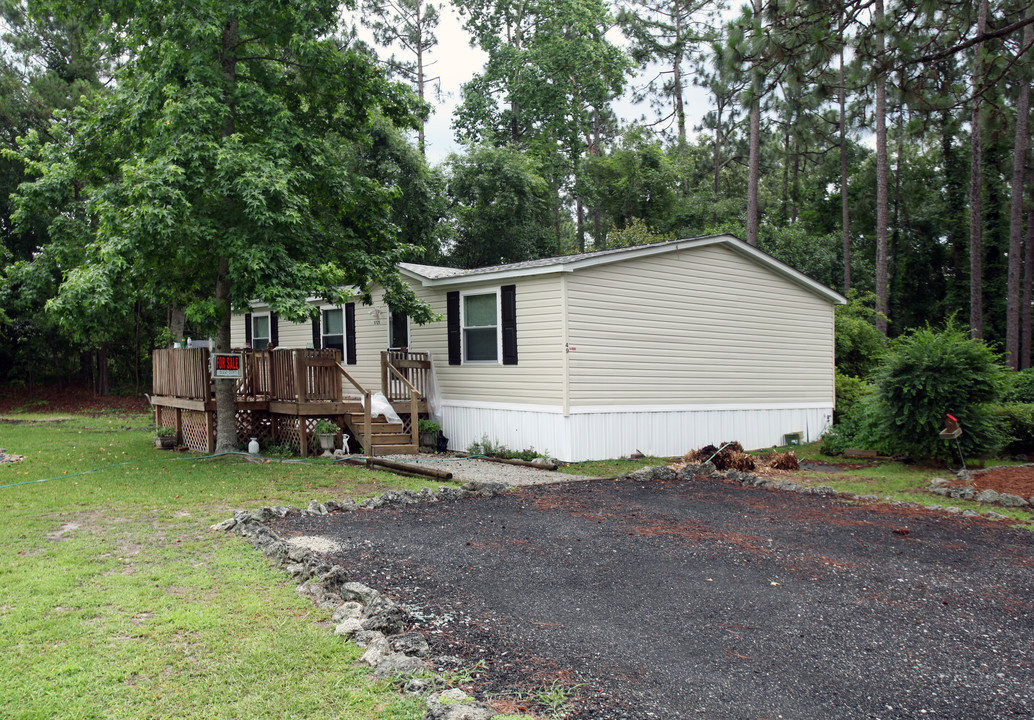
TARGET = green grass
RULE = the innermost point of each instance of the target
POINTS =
(610, 468)
(117, 601)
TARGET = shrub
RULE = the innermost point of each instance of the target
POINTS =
(850, 390)
(1020, 387)
(926, 374)
(426, 425)
(1019, 425)
(859, 345)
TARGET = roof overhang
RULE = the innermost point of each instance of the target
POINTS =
(574, 263)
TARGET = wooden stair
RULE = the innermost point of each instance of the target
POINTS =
(383, 437)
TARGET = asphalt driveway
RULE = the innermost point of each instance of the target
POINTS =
(709, 599)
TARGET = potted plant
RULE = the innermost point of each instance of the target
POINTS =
(327, 433)
(429, 432)
(165, 437)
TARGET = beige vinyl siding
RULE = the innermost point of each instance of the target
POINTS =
(291, 335)
(537, 379)
(701, 326)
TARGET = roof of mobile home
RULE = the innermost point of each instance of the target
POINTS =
(432, 275)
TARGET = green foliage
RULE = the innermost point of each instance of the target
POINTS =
(486, 447)
(500, 203)
(859, 345)
(222, 152)
(325, 427)
(1018, 418)
(636, 232)
(164, 431)
(849, 391)
(1020, 387)
(279, 451)
(926, 374)
(426, 425)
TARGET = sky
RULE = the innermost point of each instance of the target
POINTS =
(455, 62)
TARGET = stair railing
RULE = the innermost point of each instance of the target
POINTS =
(414, 397)
(363, 437)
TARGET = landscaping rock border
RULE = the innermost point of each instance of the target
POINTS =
(362, 614)
(938, 485)
(941, 486)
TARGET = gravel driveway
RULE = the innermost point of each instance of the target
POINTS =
(710, 599)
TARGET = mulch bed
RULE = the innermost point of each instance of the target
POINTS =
(709, 599)
(1015, 480)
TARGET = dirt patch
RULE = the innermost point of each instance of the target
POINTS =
(72, 399)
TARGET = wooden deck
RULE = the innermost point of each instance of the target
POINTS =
(284, 393)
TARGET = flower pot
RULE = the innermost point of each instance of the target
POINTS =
(327, 443)
(429, 439)
(165, 442)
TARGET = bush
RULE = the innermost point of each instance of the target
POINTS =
(926, 374)
(850, 390)
(1019, 425)
(859, 345)
(1020, 387)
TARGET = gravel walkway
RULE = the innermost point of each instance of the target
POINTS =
(473, 470)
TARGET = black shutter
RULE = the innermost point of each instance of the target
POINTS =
(350, 333)
(316, 335)
(274, 330)
(509, 313)
(452, 311)
(247, 329)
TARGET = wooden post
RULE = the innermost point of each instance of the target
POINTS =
(414, 421)
(300, 381)
(368, 425)
(178, 424)
(210, 430)
(384, 374)
(303, 436)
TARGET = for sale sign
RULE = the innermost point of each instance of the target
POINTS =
(227, 366)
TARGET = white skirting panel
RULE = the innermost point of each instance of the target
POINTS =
(610, 433)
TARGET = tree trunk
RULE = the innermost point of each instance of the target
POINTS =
(717, 160)
(680, 108)
(103, 384)
(754, 163)
(881, 174)
(976, 182)
(1019, 166)
(177, 322)
(580, 213)
(420, 77)
(1028, 287)
(225, 412)
(845, 214)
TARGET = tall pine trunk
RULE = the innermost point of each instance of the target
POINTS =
(881, 173)
(845, 214)
(1028, 289)
(1019, 165)
(976, 183)
(754, 163)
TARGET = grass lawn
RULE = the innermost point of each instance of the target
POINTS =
(117, 601)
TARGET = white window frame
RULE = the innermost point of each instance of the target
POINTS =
(409, 337)
(269, 329)
(344, 328)
(498, 327)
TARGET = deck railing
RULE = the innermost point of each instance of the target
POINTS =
(411, 370)
(181, 373)
(414, 398)
(304, 376)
